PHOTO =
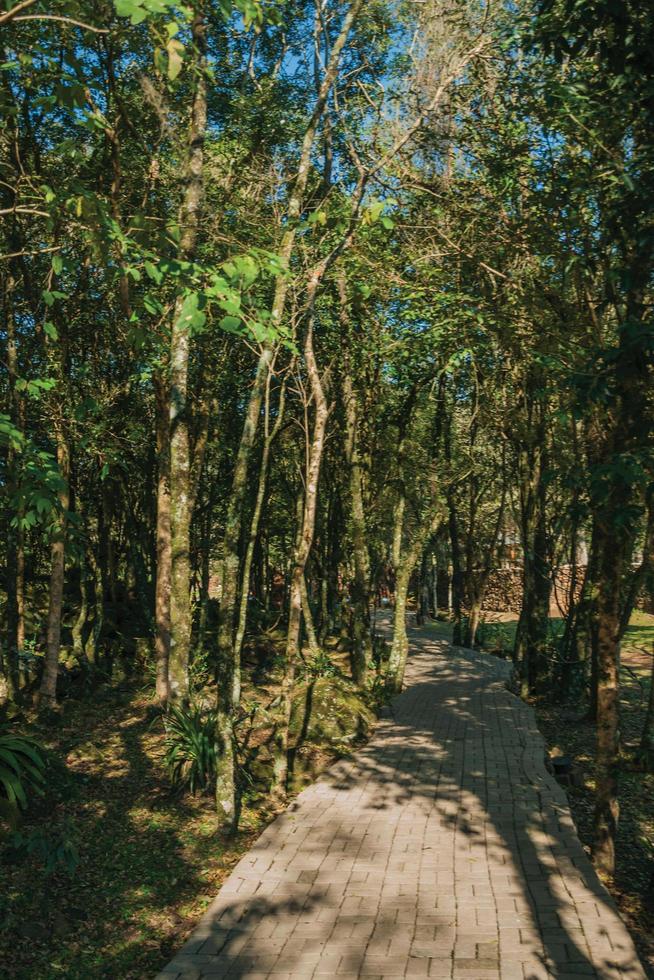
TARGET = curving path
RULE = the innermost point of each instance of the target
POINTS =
(441, 849)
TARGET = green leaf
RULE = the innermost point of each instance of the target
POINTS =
(152, 305)
(232, 324)
(191, 316)
(153, 272)
(50, 330)
(231, 305)
(175, 50)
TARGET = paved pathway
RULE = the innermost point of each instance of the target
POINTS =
(441, 849)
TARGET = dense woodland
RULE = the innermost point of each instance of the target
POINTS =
(304, 304)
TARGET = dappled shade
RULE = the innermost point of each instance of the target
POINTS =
(443, 849)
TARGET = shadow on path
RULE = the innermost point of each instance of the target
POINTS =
(441, 849)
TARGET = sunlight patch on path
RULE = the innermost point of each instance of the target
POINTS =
(442, 849)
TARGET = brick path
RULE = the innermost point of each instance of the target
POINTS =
(441, 849)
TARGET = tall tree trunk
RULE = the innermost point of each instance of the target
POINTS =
(626, 435)
(457, 572)
(530, 647)
(362, 653)
(48, 690)
(180, 460)
(424, 591)
(403, 569)
(81, 622)
(300, 558)
(163, 540)
(583, 630)
(268, 439)
(538, 623)
(226, 668)
(307, 615)
(611, 568)
(15, 560)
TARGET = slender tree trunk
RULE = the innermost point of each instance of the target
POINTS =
(362, 652)
(530, 649)
(228, 665)
(163, 541)
(94, 641)
(307, 615)
(269, 437)
(457, 573)
(474, 616)
(180, 459)
(226, 783)
(400, 643)
(568, 652)
(626, 434)
(81, 621)
(611, 567)
(15, 634)
(538, 622)
(424, 591)
(48, 691)
(301, 556)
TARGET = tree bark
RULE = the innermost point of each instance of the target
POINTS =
(269, 437)
(611, 550)
(302, 551)
(362, 652)
(226, 783)
(163, 541)
(457, 572)
(180, 461)
(15, 634)
(626, 434)
(48, 690)
(400, 643)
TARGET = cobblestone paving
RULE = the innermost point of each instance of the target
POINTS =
(441, 849)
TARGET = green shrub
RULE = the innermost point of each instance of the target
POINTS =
(320, 665)
(191, 747)
(497, 637)
(22, 765)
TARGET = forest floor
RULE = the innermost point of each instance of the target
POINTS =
(149, 859)
(568, 733)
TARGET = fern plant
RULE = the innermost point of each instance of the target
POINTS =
(21, 769)
(191, 747)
